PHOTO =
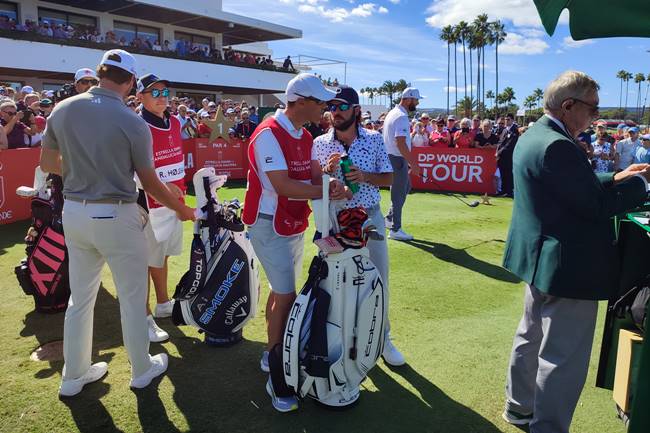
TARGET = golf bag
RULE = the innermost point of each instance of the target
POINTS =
(43, 274)
(219, 293)
(335, 330)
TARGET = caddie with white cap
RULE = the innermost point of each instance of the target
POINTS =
(97, 144)
(276, 207)
(397, 137)
(84, 79)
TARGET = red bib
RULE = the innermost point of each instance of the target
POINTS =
(291, 216)
(168, 156)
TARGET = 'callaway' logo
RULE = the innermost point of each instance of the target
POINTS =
(223, 291)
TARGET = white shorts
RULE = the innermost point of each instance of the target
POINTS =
(159, 250)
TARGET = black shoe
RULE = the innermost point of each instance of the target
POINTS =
(516, 418)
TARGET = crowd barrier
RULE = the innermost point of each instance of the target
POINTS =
(458, 170)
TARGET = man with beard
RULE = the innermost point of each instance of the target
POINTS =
(276, 207)
(397, 137)
(371, 169)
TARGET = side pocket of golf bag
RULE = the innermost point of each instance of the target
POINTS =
(194, 279)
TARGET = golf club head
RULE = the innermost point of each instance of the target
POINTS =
(475, 203)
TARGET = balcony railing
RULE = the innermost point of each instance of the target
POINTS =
(35, 37)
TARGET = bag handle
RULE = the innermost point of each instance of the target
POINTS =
(325, 209)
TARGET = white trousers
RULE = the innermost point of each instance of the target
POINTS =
(96, 234)
(378, 251)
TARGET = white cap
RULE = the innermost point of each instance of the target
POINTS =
(120, 59)
(230, 111)
(49, 93)
(411, 92)
(205, 114)
(27, 89)
(308, 85)
(84, 73)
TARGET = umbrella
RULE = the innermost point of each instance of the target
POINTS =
(598, 18)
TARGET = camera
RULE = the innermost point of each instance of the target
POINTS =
(65, 92)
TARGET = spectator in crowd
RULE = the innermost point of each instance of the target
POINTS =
(419, 136)
(486, 139)
(439, 137)
(204, 130)
(45, 29)
(205, 104)
(252, 113)
(584, 140)
(244, 129)
(38, 126)
(451, 129)
(231, 115)
(620, 131)
(156, 46)
(166, 47)
(464, 138)
(626, 149)
(123, 42)
(397, 139)
(367, 124)
(603, 160)
(4, 144)
(642, 153)
(601, 129)
(14, 128)
(188, 127)
(45, 107)
(133, 105)
(505, 150)
(426, 122)
(378, 125)
(288, 64)
(5, 24)
(84, 79)
(476, 124)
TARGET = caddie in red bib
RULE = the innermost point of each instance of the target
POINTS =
(276, 206)
(164, 232)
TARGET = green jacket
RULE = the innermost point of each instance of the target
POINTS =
(561, 237)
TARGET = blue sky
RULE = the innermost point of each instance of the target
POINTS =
(393, 39)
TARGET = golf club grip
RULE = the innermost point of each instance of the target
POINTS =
(326, 206)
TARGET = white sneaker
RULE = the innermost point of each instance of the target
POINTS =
(72, 387)
(399, 235)
(158, 367)
(156, 334)
(388, 223)
(164, 309)
(264, 362)
(391, 355)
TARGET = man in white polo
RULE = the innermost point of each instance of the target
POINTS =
(276, 206)
(397, 137)
(97, 143)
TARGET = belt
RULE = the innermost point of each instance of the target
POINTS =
(99, 201)
(265, 216)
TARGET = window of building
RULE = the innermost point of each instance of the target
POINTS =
(52, 86)
(130, 31)
(202, 41)
(16, 85)
(10, 10)
(79, 22)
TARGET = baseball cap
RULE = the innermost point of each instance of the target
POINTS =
(367, 122)
(27, 89)
(212, 104)
(205, 114)
(40, 121)
(645, 137)
(308, 86)
(45, 102)
(230, 111)
(425, 116)
(346, 94)
(411, 92)
(633, 129)
(366, 115)
(149, 80)
(84, 73)
(601, 123)
(621, 126)
(452, 117)
(49, 93)
(120, 59)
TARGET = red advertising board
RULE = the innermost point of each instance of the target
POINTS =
(458, 170)
(227, 157)
(16, 169)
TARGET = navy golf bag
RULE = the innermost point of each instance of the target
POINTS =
(43, 274)
(220, 291)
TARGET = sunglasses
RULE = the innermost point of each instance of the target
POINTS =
(594, 108)
(157, 93)
(341, 107)
(10, 113)
(87, 81)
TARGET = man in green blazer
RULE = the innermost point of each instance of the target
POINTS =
(561, 244)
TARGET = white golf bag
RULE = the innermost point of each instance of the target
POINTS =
(220, 291)
(335, 330)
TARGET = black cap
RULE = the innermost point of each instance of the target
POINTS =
(346, 94)
(149, 80)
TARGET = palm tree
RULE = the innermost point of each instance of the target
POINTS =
(456, 39)
(463, 33)
(647, 87)
(530, 102)
(538, 94)
(482, 28)
(638, 79)
(490, 95)
(474, 43)
(466, 105)
(447, 35)
(628, 77)
(507, 96)
(496, 36)
(390, 89)
(621, 76)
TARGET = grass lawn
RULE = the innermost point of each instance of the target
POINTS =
(453, 309)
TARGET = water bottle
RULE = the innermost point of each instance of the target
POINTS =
(345, 165)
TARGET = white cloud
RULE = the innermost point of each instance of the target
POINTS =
(337, 14)
(395, 2)
(428, 79)
(364, 10)
(519, 12)
(461, 89)
(568, 42)
(518, 44)
(382, 10)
